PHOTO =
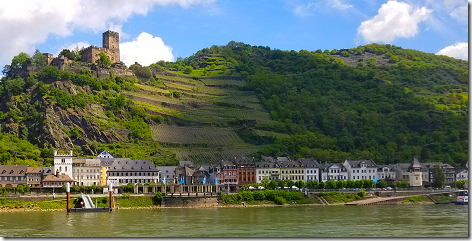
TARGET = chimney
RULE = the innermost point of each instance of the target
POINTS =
(57, 173)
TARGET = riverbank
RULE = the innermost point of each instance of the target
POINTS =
(148, 202)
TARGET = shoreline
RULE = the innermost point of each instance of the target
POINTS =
(37, 209)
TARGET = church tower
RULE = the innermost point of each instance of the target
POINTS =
(111, 44)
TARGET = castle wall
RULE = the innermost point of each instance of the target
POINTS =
(111, 47)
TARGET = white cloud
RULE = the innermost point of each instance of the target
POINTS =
(309, 8)
(393, 20)
(460, 13)
(459, 50)
(338, 4)
(146, 50)
(24, 24)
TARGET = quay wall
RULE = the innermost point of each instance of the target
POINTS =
(198, 202)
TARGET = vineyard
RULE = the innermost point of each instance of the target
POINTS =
(196, 135)
(200, 155)
(223, 82)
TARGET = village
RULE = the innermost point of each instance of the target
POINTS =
(228, 175)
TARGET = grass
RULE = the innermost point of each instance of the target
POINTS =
(417, 199)
(135, 201)
(42, 205)
(334, 197)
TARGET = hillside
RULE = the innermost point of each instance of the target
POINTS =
(374, 101)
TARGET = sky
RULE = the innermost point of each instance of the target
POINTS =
(153, 30)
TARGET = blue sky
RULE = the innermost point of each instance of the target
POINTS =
(151, 30)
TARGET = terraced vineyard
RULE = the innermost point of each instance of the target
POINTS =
(217, 136)
(215, 100)
(200, 155)
(223, 82)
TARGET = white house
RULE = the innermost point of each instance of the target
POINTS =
(105, 154)
(333, 172)
(63, 163)
(361, 169)
(132, 171)
(387, 172)
(312, 170)
(269, 169)
(462, 175)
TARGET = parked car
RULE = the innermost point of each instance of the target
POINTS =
(447, 188)
(388, 189)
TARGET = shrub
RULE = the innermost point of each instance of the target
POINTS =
(361, 194)
(246, 196)
(231, 198)
(279, 200)
(157, 199)
(258, 195)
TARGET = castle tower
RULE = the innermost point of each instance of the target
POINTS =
(63, 163)
(111, 44)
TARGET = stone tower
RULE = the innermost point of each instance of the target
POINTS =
(111, 44)
(416, 180)
(63, 163)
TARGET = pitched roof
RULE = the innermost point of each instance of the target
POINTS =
(132, 165)
(266, 164)
(34, 170)
(13, 170)
(60, 178)
(47, 171)
(244, 161)
(357, 163)
(308, 162)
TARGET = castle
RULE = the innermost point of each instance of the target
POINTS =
(110, 47)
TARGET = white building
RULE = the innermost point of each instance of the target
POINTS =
(312, 170)
(269, 169)
(387, 172)
(132, 171)
(105, 154)
(462, 175)
(87, 171)
(63, 163)
(361, 170)
(333, 172)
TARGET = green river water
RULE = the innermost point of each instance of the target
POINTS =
(446, 220)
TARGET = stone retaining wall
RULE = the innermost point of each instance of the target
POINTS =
(201, 201)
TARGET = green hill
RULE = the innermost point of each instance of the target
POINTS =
(375, 101)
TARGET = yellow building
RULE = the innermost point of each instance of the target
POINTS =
(105, 165)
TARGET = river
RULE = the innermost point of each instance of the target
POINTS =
(287, 221)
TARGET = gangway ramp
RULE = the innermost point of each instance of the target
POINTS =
(87, 201)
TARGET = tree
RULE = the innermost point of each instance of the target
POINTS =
(17, 63)
(281, 183)
(369, 183)
(300, 184)
(39, 58)
(290, 183)
(272, 184)
(331, 184)
(350, 184)
(359, 183)
(340, 184)
(157, 199)
(68, 54)
(103, 61)
(312, 184)
(322, 185)
(188, 70)
(439, 178)
(382, 184)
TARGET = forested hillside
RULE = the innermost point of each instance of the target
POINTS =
(377, 102)
(400, 104)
